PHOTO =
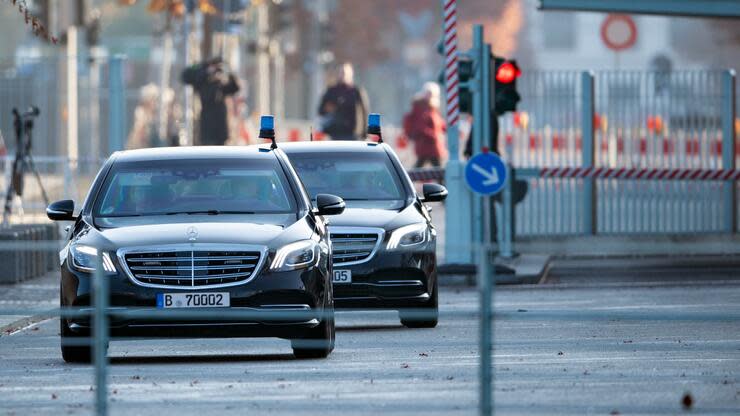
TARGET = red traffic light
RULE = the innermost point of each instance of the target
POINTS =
(507, 73)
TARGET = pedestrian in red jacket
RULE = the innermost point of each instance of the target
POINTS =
(425, 127)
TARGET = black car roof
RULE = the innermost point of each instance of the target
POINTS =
(330, 146)
(193, 152)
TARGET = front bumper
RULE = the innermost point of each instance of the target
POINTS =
(281, 304)
(389, 280)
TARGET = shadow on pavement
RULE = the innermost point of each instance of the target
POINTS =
(182, 359)
(358, 328)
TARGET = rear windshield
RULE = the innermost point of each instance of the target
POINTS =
(195, 186)
(354, 176)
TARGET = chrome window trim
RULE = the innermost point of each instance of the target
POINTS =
(121, 254)
(357, 230)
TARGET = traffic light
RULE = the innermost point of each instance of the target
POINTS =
(506, 72)
(465, 94)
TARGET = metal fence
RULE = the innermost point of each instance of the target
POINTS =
(634, 120)
(104, 103)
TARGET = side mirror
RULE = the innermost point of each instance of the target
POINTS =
(329, 204)
(61, 210)
(434, 192)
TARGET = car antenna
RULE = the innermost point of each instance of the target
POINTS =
(373, 126)
(267, 130)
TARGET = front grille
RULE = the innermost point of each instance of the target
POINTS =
(192, 268)
(353, 247)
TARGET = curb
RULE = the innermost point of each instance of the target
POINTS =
(20, 324)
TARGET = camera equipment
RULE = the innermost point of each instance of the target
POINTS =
(23, 124)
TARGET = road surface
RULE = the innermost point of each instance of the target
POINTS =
(569, 347)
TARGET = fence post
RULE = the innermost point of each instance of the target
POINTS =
(728, 148)
(100, 338)
(116, 104)
(589, 151)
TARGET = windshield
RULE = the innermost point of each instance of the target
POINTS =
(354, 176)
(195, 187)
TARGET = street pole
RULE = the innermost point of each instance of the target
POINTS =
(263, 59)
(187, 24)
(72, 114)
(164, 82)
(485, 276)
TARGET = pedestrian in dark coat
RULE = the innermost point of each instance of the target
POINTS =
(343, 108)
(425, 127)
(213, 84)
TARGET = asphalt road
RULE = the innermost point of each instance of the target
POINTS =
(562, 348)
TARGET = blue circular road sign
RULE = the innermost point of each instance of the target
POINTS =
(485, 173)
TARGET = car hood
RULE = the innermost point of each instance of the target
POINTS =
(374, 217)
(184, 232)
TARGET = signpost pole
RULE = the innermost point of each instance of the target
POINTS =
(485, 331)
(486, 175)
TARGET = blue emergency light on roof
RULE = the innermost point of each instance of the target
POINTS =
(373, 126)
(267, 129)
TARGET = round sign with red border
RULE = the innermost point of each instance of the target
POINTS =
(619, 32)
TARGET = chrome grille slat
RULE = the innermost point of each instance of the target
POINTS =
(196, 268)
(192, 266)
(348, 255)
(354, 245)
(188, 259)
(355, 240)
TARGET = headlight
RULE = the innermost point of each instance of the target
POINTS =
(85, 259)
(295, 256)
(409, 235)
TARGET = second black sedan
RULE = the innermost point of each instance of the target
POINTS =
(384, 244)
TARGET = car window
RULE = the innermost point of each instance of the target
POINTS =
(224, 186)
(359, 176)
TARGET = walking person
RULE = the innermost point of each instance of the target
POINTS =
(425, 127)
(343, 108)
(214, 84)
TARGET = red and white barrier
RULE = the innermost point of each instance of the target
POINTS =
(607, 173)
(641, 174)
(449, 12)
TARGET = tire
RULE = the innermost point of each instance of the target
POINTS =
(423, 316)
(318, 342)
(74, 353)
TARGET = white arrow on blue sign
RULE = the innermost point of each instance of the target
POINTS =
(485, 174)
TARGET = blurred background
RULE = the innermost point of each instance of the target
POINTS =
(110, 75)
(284, 53)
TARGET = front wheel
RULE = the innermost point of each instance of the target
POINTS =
(319, 341)
(423, 316)
(74, 347)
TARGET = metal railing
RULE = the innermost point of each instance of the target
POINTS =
(624, 120)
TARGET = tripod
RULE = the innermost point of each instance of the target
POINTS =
(23, 124)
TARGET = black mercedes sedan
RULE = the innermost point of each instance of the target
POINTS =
(208, 228)
(384, 244)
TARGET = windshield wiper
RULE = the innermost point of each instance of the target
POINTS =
(208, 212)
(120, 215)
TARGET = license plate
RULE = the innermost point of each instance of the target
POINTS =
(193, 300)
(342, 276)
